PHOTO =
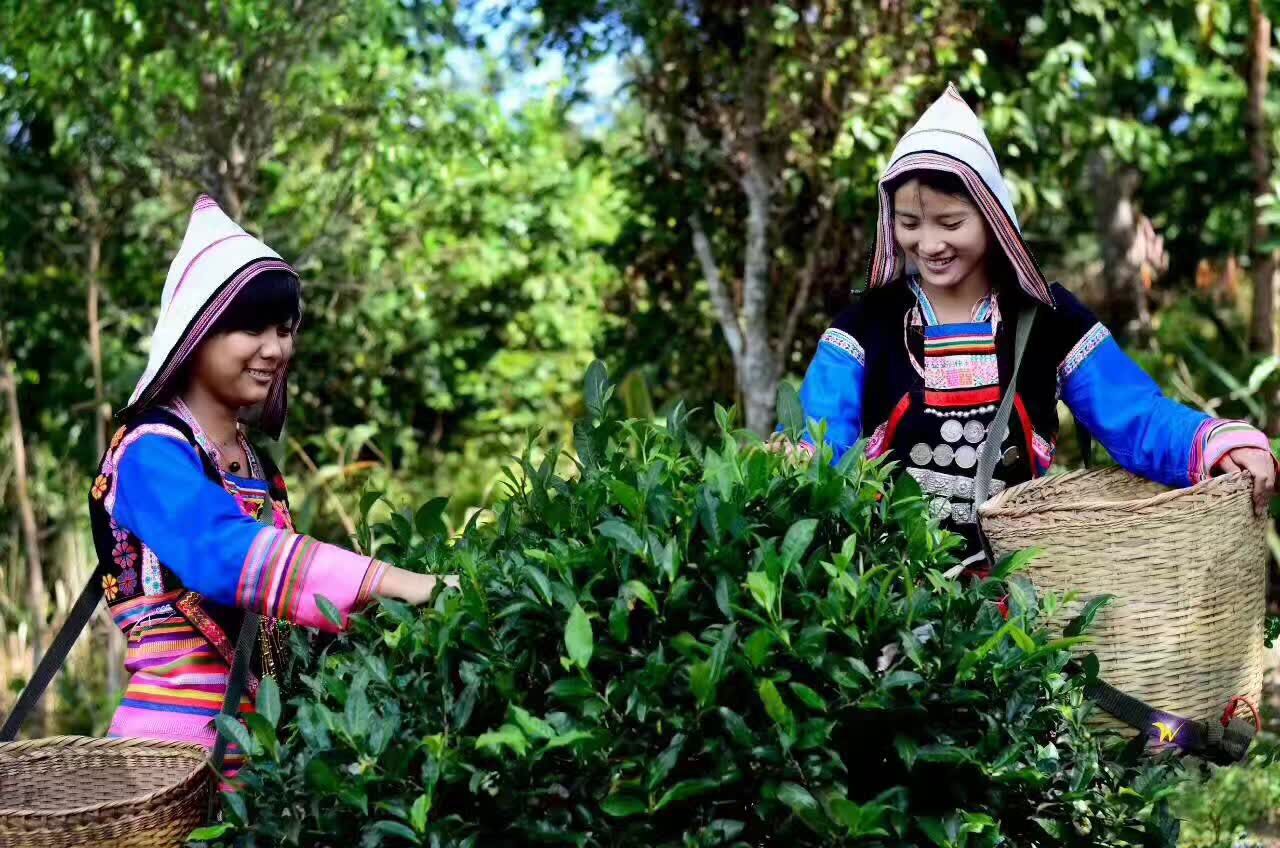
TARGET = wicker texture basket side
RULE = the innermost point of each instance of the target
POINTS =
(1187, 567)
(127, 793)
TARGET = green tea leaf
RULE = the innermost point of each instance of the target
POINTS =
(684, 790)
(636, 589)
(508, 736)
(907, 749)
(1084, 620)
(758, 645)
(358, 713)
(621, 806)
(578, 638)
(776, 707)
(802, 803)
(790, 410)
(738, 730)
(418, 813)
(321, 777)
(268, 702)
(627, 495)
(237, 733)
(862, 820)
(429, 519)
(329, 611)
(1022, 640)
(809, 697)
(596, 389)
(571, 689)
(387, 827)
(764, 590)
(622, 533)
(209, 833)
(798, 539)
(572, 739)
(532, 726)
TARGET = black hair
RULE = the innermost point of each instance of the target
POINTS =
(943, 182)
(272, 297)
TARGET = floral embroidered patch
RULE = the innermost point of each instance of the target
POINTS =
(124, 554)
(111, 586)
(129, 581)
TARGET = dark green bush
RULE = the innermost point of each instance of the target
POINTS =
(689, 645)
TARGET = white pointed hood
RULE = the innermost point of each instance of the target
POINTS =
(949, 137)
(216, 261)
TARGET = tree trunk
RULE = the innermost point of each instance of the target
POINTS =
(1122, 304)
(93, 297)
(37, 599)
(759, 372)
(1263, 261)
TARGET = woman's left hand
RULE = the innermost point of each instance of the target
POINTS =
(1261, 465)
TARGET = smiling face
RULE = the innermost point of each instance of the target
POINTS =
(943, 235)
(238, 367)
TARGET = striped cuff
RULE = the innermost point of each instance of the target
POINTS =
(1082, 350)
(285, 571)
(845, 343)
(1216, 438)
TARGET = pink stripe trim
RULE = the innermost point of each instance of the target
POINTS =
(112, 463)
(212, 312)
(187, 271)
(885, 256)
(1218, 437)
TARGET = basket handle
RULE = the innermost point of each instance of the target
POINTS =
(991, 448)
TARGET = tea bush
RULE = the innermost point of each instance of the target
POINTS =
(688, 644)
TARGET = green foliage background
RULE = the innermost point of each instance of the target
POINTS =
(466, 252)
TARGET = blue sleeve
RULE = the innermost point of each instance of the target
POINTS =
(832, 390)
(194, 526)
(1147, 433)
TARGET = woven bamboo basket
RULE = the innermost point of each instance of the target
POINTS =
(1187, 567)
(69, 791)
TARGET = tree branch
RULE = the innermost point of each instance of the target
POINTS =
(756, 185)
(801, 302)
(719, 294)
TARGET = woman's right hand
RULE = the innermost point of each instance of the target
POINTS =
(412, 587)
(798, 452)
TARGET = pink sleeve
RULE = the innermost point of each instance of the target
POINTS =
(284, 572)
(1217, 438)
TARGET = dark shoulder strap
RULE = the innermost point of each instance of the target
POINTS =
(990, 454)
(85, 605)
(55, 656)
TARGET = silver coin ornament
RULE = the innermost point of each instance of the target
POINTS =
(952, 430)
(966, 457)
(921, 454)
(943, 454)
(973, 432)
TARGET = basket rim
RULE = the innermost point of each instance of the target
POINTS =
(999, 504)
(121, 743)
